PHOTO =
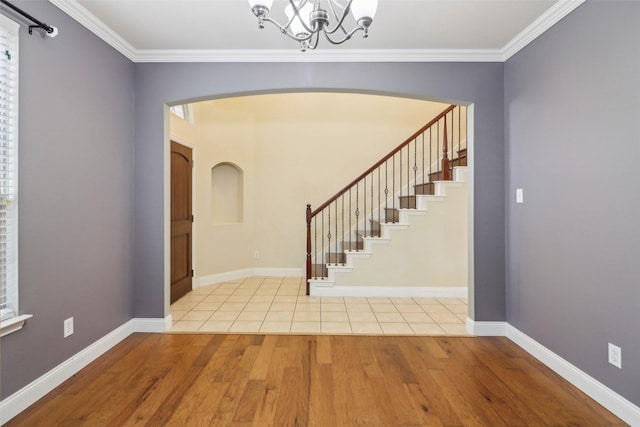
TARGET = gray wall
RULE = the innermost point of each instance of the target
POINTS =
(572, 108)
(481, 84)
(76, 194)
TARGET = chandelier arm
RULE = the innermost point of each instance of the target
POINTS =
(340, 20)
(296, 14)
(313, 44)
(285, 30)
(346, 37)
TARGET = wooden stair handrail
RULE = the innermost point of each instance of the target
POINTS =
(381, 161)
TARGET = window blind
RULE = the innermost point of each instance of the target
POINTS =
(8, 168)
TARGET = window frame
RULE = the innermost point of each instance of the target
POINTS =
(183, 111)
(10, 320)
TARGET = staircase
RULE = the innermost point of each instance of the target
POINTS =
(381, 201)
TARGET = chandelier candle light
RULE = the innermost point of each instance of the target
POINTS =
(307, 18)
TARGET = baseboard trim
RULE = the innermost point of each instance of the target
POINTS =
(599, 392)
(152, 325)
(214, 279)
(390, 291)
(32, 392)
(278, 272)
(486, 329)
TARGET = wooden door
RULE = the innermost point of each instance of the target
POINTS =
(181, 220)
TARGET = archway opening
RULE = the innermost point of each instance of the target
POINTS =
(284, 138)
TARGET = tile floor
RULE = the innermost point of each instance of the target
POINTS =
(279, 305)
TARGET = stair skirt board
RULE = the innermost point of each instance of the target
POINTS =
(389, 291)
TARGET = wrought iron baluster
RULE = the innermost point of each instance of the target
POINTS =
(466, 131)
(450, 171)
(459, 131)
(393, 181)
(328, 235)
(430, 153)
(379, 205)
(415, 168)
(438, 142)
(372, 176)
(350, 227)
(453, 136)
(386, 193)
(344, 256)
(423, 169)
(408, 172)
(357, 215)
(400, 167)
(322, 246)
(364, 202)
(315, 244)
(445, 152)
(336, 237)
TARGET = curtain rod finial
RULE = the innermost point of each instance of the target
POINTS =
(53, 32)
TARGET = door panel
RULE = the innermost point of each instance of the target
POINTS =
(181, 220)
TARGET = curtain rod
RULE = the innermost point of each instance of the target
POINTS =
(49, 30)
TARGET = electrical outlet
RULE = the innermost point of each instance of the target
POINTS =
(68, 327)
(615, 355)
(256, 255)
(519, 195)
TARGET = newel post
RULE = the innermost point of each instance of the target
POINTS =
(446, 166)
(308, 246)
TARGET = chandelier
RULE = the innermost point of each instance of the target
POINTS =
(306, 19)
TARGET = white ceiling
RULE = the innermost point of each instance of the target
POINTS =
(403, 30)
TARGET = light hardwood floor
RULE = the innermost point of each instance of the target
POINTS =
(323, 380)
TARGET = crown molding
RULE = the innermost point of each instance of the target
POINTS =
(96, 26)
(100, 29)
(319, 55)
(548, 19)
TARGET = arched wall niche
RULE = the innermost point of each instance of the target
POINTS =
(227, 193)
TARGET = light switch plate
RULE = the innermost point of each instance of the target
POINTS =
(68, 327)
(519, 195)
(615, 356)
